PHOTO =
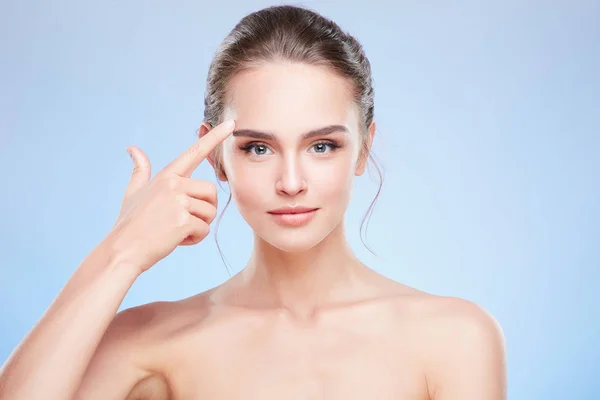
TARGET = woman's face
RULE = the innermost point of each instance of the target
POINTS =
(296, 144)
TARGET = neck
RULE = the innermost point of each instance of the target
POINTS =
(299, 283)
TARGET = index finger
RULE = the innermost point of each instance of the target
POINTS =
(189, 160)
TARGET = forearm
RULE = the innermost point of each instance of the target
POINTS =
(52, 358)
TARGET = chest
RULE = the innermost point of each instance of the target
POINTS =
(329, 363)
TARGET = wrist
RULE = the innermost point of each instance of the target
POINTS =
(119, 259)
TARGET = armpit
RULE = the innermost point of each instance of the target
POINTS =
(154, 387)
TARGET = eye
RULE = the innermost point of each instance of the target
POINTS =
(257, 149)
(260, 149)
(322, 147)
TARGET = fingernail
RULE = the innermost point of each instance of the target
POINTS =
(129, 152)
(229, 124)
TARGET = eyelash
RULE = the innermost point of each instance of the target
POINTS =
(252, 145)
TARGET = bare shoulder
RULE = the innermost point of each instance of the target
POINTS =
(459, 345)
(455, 314)
(434, 313)
(130, 359)
(463, 347)
(159, 320)
(451, 321)
(446, 318)
(139, 328)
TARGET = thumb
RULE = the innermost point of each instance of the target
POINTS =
(141, 172)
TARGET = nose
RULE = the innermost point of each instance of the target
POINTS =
(291, 179)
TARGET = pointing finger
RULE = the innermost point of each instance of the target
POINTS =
(189, 160)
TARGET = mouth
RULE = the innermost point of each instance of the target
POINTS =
(293, 216)
(293, 210)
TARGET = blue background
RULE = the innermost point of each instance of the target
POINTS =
(489, 133)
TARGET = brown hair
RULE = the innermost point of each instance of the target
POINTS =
(293, 34)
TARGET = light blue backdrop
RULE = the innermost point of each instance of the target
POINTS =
(489, 132)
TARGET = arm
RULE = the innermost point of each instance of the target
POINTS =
(126, 355)
(53, 357)
(467, 358)
(156, 216)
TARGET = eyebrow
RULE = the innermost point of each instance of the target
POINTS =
(327, 130)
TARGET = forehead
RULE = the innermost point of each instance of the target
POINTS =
(290, 97)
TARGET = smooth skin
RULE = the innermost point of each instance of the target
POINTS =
(304, 319)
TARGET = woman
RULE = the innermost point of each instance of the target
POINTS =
(288, 124)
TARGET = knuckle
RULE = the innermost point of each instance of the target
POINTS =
(173, 183)
(212, 190)
(183, 200)
(211, 187)
(136, 169)
(212, 213)
(183, 219)
(167, 181)
(203, 228)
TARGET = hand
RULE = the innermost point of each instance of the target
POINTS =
(170, 210)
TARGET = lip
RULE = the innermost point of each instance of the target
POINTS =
(293, 216)
(293, 210)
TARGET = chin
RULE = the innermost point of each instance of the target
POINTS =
(292, 246)
(295, 240)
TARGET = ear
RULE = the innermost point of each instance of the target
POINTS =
(204, 129)
(361, 166)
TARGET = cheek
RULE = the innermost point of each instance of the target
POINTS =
(332, 181)
(248, 184)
